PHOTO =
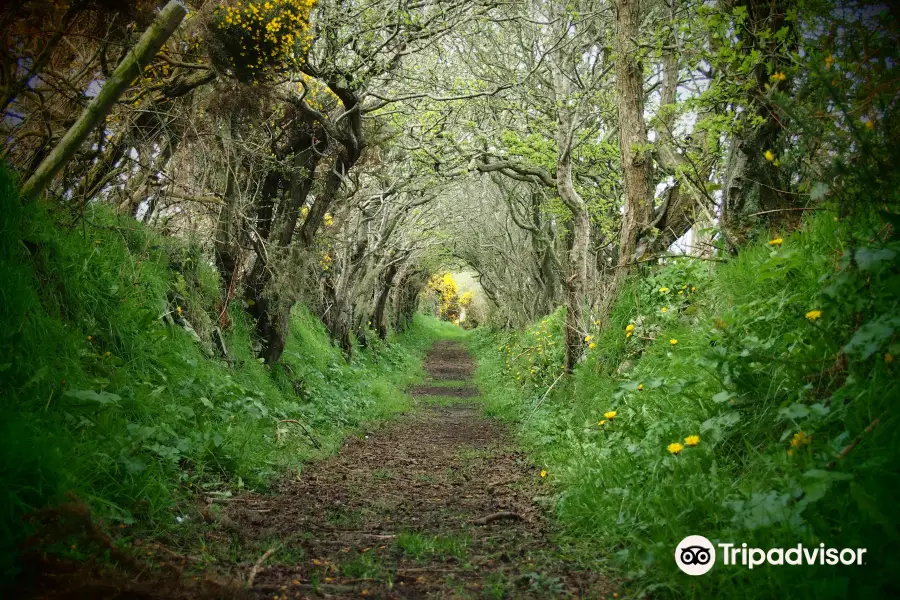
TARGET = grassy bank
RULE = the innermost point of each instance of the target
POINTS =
(748, 401)
(114, 393)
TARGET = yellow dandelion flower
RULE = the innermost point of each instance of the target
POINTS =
(629, 328)
(628, 334)
(664, 309)
(602, 423)
(770, 156)
(692, 440)
(592, 345)
(178, 310)
(800, 438)
(663, 290)
(640, 387)
(870, 124)
(888, 358)
(610, 415)
(776, 242)
(813, 315)
(543, 473)
(779, 76)
(588, 338)
(673, 341)
(674, 448)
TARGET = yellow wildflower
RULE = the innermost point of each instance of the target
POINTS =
(674, 448)
(640, 387)
(543, 473)
(888, 358)
(630, 327)
(592, 345)
(178, 310)
(813, 315)
(800, 438)
(870, 124)
(779, 76)
(776, 242)
(610, 415)
(588, 338)
(673, 341)
(692, 440)
(663, 290)
(770, 156)
(664, 309)
(829, 60)
(602, 423)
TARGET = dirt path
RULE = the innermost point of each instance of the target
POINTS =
(435, 504)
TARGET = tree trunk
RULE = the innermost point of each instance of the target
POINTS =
(637, 165)
(384, 293)
(576, 276)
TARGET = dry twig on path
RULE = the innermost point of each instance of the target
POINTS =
(259, 564)
(497, 517)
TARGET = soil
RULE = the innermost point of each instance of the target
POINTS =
(435, 504)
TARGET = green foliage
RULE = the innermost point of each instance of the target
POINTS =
(420, 546)
(107, 395)
(784, 368)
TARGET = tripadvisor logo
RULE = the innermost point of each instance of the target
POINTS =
(696, 555)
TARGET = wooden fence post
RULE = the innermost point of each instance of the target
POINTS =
(95, 113)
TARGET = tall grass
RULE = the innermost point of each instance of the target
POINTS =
(107, 396)
(733, 354)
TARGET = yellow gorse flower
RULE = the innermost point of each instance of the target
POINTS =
(692, 440)
(770, 156)
(674, 448)
(779, 76)
(813, 315)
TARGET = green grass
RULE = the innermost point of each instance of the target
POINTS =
(106, 400)
(748, 373)
(420, 546)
